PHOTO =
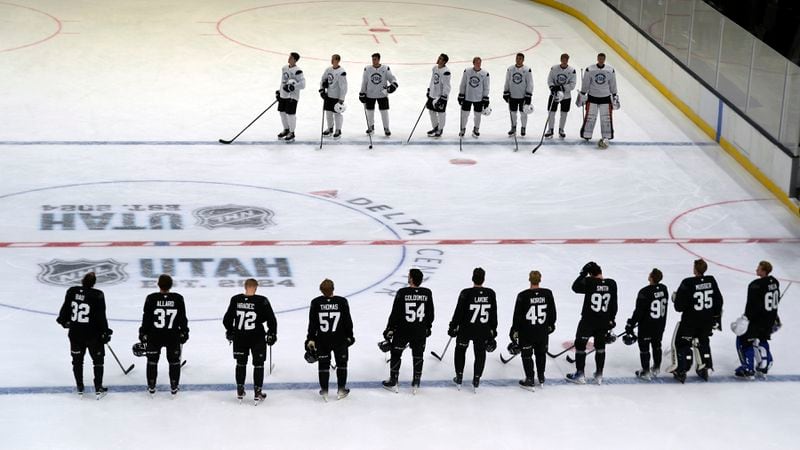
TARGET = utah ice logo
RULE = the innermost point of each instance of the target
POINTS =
(69, 273)
(233, 216)
(376, 78)
(516, 78)
(600, 78)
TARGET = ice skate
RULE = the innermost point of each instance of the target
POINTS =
(527, 384)
(577, 377)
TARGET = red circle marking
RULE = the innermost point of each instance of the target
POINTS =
(728, 202)
(283, 53)
(47, 38)
(379, 30)
(463, 162)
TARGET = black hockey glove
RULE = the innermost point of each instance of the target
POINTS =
(229, 335)
(506, 96)
(310, 346)
(288, 87)
(717, 324)
(777, 325)
(485, 102)
(362, 97)
(142, 335)
(554, 89)
(277, 95)
(452, 331)
(388, 334)
(392, 87)
(528, 99)
(105, 336)
(611, 337)
(491, 345)
(513, 335)
(428, 93)
(460, 99)
(440, 105)
(629, 327)
(63, 323)
(611, 324)
(323, 94)
(184, 336)
(325, 84)
(272, 338)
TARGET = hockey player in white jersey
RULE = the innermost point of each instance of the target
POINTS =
(438, 90)
(473, 93)
(378, 81)
(562, 81)
(288, 93)
(598, 96)
(518, 92)
(332, 89)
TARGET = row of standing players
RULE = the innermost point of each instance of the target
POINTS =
(474, 321)
(598, 96)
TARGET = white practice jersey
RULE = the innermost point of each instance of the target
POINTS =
(440, 83)
(292, 73)
(337, 82)
(599, 81)
(474, 85)
(376, 80)
(519, 81)
(564, 77)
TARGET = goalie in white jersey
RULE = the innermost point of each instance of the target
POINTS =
(332, 89)
(378, 81)
(438, 90)
(598, 96)
(561, 80)
(288, 93)
(518, 93)
(474, 93)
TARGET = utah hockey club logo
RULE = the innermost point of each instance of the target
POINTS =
(561, 79)
(233, 216)
(474, 81)
(516, 78)
(600, 78)
(69, 273)
(376, 78)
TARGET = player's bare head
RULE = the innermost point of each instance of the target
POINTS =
(250, 284)
(478, 276)
(656, 276)
(520, 59)
(595, 270)
(535, 277)
(764, 267)
(415, 277)
(294, 57)
(601, 58)
(89, 280)
(164, 282)
(700, 267)
(326, 287)
(564, 58)
(376, 59)
(335, 59)
(476, 62)
(442, 59)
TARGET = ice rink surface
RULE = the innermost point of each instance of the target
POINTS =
(110, 119)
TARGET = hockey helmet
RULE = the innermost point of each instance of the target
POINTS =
(139, 349)
(611, 337)
(527, 109)
(602, 143)
(311, 356)
(629, 339)
(339, 108)
(385, 345)
(486, 110)
(513, 348)
(740, 325)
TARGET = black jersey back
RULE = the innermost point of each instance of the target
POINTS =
(164, 314)
(476, 311)
(763, 296)
(85, 310)
(599, 299)
(329, 319)
(699, 300)
(246, 316)
(534, 312)
(650, 312)
(412, 311)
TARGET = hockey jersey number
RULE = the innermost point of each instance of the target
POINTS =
(480, 313)
(537, 314)
(80, 312)
(600, 302)
(246, 320)
(328, 321)
(415, 313)
(164, 317)
(771, 300)
(658, 308)
(703, 300)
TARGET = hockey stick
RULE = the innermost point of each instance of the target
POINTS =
(415, 125)
(271, 366)
(514, 127)
(571, 360)
(505, 361)
(183, 363)
(120, 364)
(223, 141)
(544, 129)
(369, 128)
(443, 351)
(321, 129)
(561, 353)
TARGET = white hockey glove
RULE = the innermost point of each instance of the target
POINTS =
(581, 100)
(615, 102)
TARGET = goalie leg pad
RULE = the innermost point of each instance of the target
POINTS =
(589, 119)
(606, 121)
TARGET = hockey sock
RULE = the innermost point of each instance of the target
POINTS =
(434, 118)
(527, 366)
(329, 118)
(460, 357)
(562, 119)
(152, 373)
(418, 367)
(98, 376)
(657, 355)
(600, 359)
(541, 361)
(174, 373)
(324, 372)
(476, 117)
(644, 359)
(341, 376)
(551, 120)
(464, 117)
(258, 375)
(442, 119)
(337, 120)
(524, 120)
(385, 118)
(480, 362)
(580, 360)
(241, 371)
(513, 119)
(284, 121)
(292, 120)
(370, 118)
(395, 363)
(77, 371)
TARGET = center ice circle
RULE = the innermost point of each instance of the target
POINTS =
(403, 32)
(225, 227)
(25, 27)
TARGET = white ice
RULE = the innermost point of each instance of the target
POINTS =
(122, 105)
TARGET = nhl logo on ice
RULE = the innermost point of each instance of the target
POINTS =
(233, 216)
(69, 273)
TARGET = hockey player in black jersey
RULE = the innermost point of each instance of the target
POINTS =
(534, 320)
(330, 329)
(164, 324)
(409, 325)
(84, 314)
(650, 316)
(761, 310)
(699, 301)
(597, 319)
(474, 319)
(244, 327)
